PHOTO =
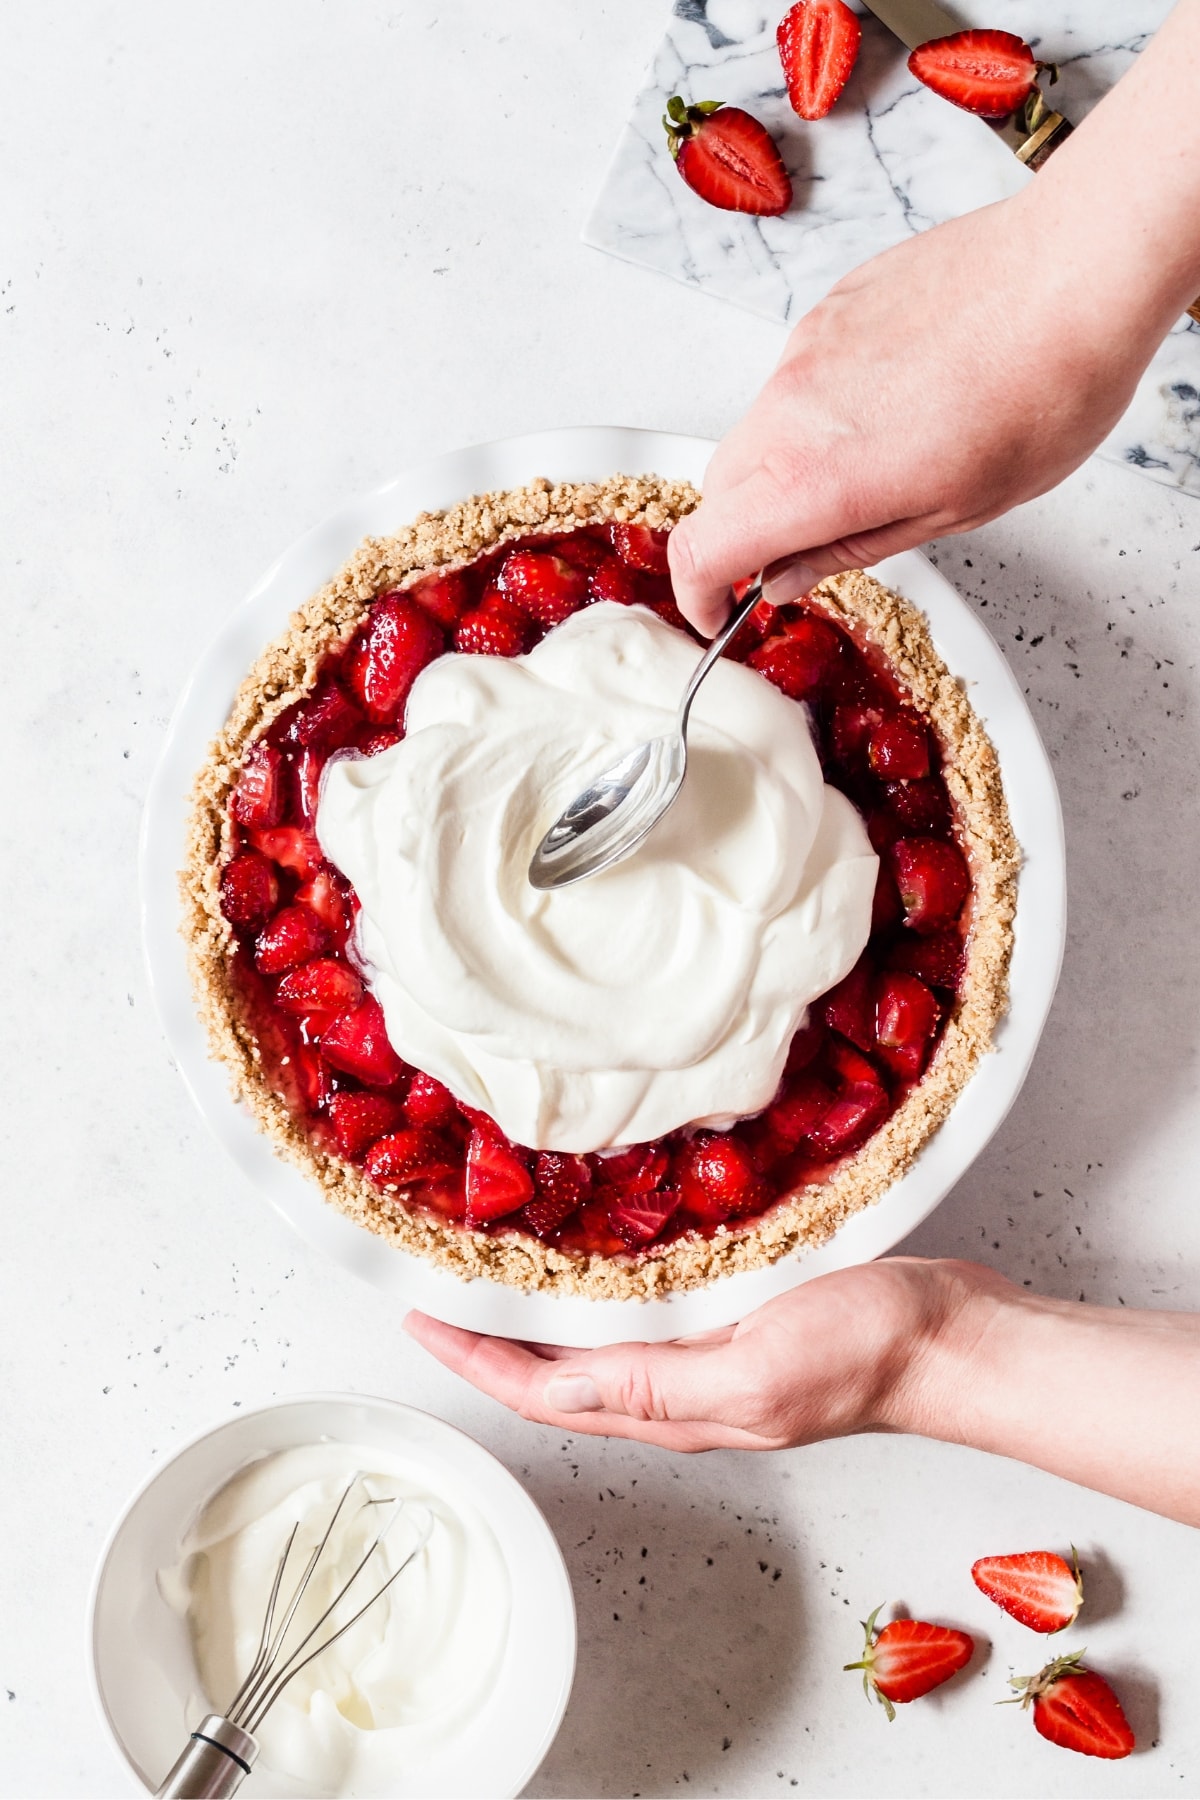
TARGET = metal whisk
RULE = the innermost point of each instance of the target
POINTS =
(222, 1750)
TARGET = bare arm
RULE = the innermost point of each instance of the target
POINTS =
(971, 367)
(944, 1350)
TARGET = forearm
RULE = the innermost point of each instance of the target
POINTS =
(1105, 1397)
(1118, 206)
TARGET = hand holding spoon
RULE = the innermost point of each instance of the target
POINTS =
(619, 808)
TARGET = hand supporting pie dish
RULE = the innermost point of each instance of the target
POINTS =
(866, 1080)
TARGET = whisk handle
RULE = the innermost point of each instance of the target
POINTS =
(212, 1764)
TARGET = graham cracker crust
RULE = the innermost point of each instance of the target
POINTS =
(287, 669)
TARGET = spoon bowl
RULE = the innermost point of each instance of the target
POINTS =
(621, 805)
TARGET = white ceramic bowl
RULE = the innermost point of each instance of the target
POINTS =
(141, 1659)
(968, 650)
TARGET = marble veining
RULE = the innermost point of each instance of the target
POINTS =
(891, 159)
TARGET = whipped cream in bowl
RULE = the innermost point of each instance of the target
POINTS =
(660, 993)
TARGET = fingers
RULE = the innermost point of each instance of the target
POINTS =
(627, 1391)
(731, 535)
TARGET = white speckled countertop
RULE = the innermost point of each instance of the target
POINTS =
(255, 259)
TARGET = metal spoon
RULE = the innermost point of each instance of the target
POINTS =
(607, 821)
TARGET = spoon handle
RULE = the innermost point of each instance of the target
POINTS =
(741, 611)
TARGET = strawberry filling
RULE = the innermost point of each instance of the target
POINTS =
(322, 1037)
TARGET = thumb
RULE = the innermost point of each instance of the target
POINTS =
(731, 535)
(657, 1383)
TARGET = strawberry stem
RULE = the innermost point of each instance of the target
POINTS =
(681, 121)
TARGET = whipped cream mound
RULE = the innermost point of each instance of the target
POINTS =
(661, 993)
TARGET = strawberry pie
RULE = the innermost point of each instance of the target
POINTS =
(696, 1062)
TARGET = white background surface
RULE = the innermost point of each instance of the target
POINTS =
(254, 260)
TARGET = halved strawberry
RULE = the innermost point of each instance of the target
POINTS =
(796, 663)
(323, 986)
(851, 731)
(799, 1109)
(357, 1042)
(427, 1102)
(818, 46)
(563, 1183)
(717, 1178)
(898, 748)
(850, 1065)
(1076, 1709)
(482, 633)
(545, 586)
(850, 1006)
(295, 935)
(990, 73)
(306, 784)
(407, 1158)
(859, 1108)
(313, 1076)
(249, 890)
(933, 881)
(909, 1658)
(806, 1045)
(938, 959)
(1036, 1586)
(906, 1018)
(372, 742)
(580, 549)
(497, 1181)
(329, 895)
(398, 640)
(635, 1169)
(727, 157)
(444, 595)
(641, 547)
(920, 806)
(359, 1119)
(613, 580)
(326, 720)
(638, 1219)
(291, 847)
(258, 798)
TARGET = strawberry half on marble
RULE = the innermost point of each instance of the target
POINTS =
(727, 156)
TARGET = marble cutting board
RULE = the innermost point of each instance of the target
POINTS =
(890, 160)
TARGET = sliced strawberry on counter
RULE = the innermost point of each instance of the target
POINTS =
(638, 1219)
(919, 806)
(444, 595)
(323, 986)
(727, 157)
(292, 847)
(258, 798)
(249, 891)
(357, 1043)
(326, 720)
(1076, 1709)
(859, 1108)
(546, 587)
(483, 633)
(329, 895)
(898, 748)
(933, 881)
(799, 1109)
(938, 959)
(397, 642)
(717, 1178)
(613, 580)
(906, 1019)
(990, 73)
(1036, 1586)
(641, 547)
(405, 1158)
(497, 1181)
(427, 1102)
(359, 1119)
(850, 1006)
(909, 1658)
(818, 46)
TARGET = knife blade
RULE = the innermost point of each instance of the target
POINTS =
(916, 21)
